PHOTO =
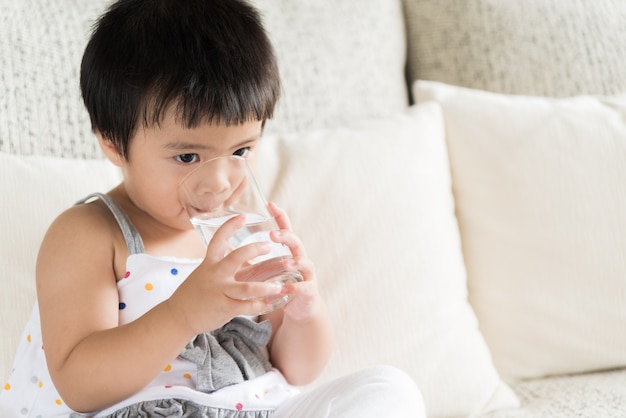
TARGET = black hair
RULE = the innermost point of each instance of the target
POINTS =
(208, 60)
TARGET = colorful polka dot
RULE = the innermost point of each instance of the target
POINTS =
(122, 305)
(24, 411)
(239, 406)
(7, 386)
(168, 368)
(187, 376)
(149, 286)
(40, 384)
(28, 338)
(58, 402)
(174, 272)
(127, 275)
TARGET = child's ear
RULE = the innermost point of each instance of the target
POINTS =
(110, 151)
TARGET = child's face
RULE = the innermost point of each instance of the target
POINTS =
(159, 158)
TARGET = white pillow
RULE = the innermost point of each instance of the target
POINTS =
(374, 207)
(34, 191)
(539, 186)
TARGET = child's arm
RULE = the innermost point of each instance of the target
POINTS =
(302, 340)
(93, 361)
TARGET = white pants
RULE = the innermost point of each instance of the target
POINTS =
(380, 391)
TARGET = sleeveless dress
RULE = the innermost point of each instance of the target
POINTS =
(225, 373)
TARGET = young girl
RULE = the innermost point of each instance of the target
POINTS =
(135, 316)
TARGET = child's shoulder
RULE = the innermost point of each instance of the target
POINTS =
(94, 214)
(83, 246)
(90, 225)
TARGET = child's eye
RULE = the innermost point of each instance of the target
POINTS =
(242, 152)
(187, 158)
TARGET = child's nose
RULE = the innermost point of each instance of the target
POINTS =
(216, 182)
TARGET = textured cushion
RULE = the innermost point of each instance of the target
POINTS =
(541, 204)
(373, 205)
(41, 46)
(324, 49)
(35, 190)
(340, 60)
(548, 47)
(592, 395)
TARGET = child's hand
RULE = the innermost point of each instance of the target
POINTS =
(210, 296)
(302, 340)
(306, 293)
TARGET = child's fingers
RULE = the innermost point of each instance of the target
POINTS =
(237, 258)
(251, 291)
(291, 240)
(285, 234)
(303, 265)
(219, 246)
(282, 220)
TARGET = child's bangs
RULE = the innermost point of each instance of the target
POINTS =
(197, 103)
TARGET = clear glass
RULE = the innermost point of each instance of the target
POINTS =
(224, 187)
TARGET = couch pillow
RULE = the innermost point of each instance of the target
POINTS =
(546, 48)
(373, 205)
(539, 186)
(35, 190)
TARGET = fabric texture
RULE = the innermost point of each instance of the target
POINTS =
(179, 408)
(229, 355)
(373, 204)
(41, 46)
(358, 395)
(354, 396)
(330, 77)
(134, 242)
(553, 48)
(540, 199)
(592, 395)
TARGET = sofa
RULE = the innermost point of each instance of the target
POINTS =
(456, 169)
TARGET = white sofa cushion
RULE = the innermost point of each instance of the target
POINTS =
(373, 204)
(548, 47)
(539, 186)
(35, 190)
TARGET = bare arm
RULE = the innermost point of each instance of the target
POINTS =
(93, 361)
(302, 340)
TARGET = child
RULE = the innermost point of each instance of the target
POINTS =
(138, 318)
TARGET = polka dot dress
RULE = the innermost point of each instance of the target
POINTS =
(148, 281)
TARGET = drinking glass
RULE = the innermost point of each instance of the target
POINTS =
(222, 188)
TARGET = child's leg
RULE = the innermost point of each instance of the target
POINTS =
(375, 392)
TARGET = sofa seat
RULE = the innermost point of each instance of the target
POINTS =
(592, 395)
